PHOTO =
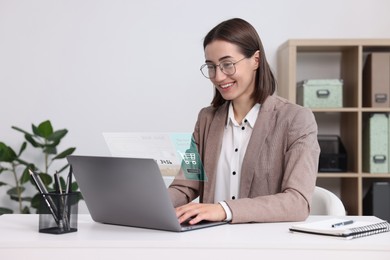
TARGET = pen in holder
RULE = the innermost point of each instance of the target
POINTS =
(58, 212)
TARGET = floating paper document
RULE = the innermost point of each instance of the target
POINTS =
(171, 151)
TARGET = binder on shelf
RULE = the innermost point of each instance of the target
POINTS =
(376, 80)
(376, 143)
(342, 228)
(388, 139)
(377, 200)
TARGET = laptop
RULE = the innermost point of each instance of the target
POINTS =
(128, 192)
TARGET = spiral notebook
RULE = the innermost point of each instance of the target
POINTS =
(335, 227)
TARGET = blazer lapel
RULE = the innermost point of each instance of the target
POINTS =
(213, 150)
(260, 132)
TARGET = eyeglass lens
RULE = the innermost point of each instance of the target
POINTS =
(209, 70)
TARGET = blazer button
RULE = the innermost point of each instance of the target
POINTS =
(234, 173)
(233, 197)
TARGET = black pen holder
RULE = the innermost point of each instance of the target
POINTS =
(58, 212)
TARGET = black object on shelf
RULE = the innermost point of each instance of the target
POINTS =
(377, 200)
(333, 156)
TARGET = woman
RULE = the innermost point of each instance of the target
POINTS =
(259, 151)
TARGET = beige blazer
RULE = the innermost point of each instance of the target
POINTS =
(279, 168)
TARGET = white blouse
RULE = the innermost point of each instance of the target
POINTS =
(235, 141)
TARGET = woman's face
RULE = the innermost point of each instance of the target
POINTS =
(239, 86)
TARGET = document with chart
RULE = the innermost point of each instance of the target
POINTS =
(171, 151)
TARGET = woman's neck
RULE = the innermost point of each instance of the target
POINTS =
(241, 109)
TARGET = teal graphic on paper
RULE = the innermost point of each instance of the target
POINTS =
(191, 164)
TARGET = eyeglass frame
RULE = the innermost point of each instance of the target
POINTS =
(220, 67)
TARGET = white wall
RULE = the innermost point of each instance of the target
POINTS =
(95, 66)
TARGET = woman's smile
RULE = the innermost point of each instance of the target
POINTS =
(226, 86)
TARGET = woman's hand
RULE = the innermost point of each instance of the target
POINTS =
(200, 211)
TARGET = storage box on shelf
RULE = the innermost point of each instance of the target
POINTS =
(343, 59)
(333, 157)
(320, 93)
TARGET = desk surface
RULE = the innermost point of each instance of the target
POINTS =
(20, 238)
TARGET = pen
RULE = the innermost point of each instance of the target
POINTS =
(62, 214)
(342, 223)
(68, 188)
(58, 182)
(68, 191)
(38, 182)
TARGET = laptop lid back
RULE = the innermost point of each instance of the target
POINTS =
(124, 191)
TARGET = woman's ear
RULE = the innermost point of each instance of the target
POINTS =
(256, 57)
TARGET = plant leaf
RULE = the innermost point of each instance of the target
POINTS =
(46, 179)
(44, 129)
(65, 153)
(3, 183)
(80, 196)
(25, 176)
(14, 191)
(32, 141)
(35, 129)
(6, 153)
(35, 201)
(22, 148)
(63, 168)
(24, 162)
(63, 183)
(5, 211)
(20, 130)
(75, 186)
(58, 135)
(26, 210)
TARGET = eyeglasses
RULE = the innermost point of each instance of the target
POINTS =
(227, 67)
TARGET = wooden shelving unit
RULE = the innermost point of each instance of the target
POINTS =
(300, 59)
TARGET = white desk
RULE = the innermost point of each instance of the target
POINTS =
(19, 239)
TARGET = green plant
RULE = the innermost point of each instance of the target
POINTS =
(44, 139)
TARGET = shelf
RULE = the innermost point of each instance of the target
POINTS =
(335, 44)
(300, 59)
(375, 109)
(336, 110)
(352, 109)
(376, 175)
(337, 175)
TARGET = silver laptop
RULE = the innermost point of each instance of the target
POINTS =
(127, 191)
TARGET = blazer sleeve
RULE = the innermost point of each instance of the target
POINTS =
(182, 190)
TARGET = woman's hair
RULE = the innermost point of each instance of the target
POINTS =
(241, 33)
